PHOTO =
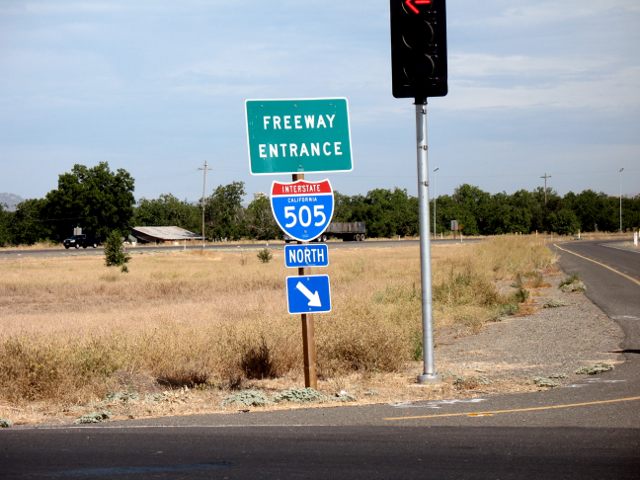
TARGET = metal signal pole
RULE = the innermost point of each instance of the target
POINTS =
(428, 372)
(435, 228)
(419, 71)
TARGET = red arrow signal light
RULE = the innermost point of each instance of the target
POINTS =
(412, 4)
(418, 48)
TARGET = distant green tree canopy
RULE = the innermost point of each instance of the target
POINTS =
(259, 220)
(101, 201)
(224, 214)
(27, 225)
(167, 210)
(96, 199)
(5, 238)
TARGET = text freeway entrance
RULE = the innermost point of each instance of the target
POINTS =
(298, 136)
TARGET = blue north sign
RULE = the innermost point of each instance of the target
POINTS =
(306, 255)
(302, 209)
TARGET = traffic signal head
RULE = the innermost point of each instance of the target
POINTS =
(418, 48)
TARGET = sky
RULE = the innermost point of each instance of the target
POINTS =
(158, 87)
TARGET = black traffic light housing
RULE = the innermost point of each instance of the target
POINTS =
(419, 48)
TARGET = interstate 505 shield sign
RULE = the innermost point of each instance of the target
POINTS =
(302, 209)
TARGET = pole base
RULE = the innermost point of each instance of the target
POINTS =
(429, 378)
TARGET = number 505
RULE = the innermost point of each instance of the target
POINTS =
(305, 217)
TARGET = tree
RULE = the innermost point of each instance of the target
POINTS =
(4, 227)
(342, 210)
(95, 199)
(631, 212)
(28, 225)
(596, 211)
(259, 220)
(390, 213)
(224, 212)
(501, 217)
(525, 213)
(564, 222)
(449, 209)
(475, 207)
(349, 208)
(114, 253)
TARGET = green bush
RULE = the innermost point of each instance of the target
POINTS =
(33, 369)
(299, 395)
(265, 255)
(247, 398)
(114, 253)
(30, 371)
(466, 287)
(256, 362)
(572, 284)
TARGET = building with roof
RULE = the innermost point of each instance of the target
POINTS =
(163, 234)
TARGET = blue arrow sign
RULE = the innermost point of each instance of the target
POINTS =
(308, 294)
(302, 209)
(306, 255)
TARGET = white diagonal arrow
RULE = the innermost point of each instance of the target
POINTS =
(314, 298)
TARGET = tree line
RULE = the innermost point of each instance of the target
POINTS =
(101, 201)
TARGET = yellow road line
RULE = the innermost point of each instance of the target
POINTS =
(489, 413)
(634, 280)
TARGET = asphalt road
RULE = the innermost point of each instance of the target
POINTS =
(588, 430)
(365, 452)
(612, 276)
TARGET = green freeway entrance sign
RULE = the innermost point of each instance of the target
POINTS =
(298, 136)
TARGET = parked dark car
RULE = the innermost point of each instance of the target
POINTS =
(78, 241)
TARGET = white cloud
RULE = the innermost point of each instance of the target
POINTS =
(60, 7)
(76, 7)
(521, 81)
(524, 13)
(546, 11)
(56, 79)
(618, 91)
(483, 65)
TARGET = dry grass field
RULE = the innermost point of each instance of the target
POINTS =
(74, 330)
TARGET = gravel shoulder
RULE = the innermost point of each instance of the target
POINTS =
(555, 341)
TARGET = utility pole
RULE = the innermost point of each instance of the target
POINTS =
(545, 176)
(204, 192)
(620, 193)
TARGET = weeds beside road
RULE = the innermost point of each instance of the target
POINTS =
(74, 331)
